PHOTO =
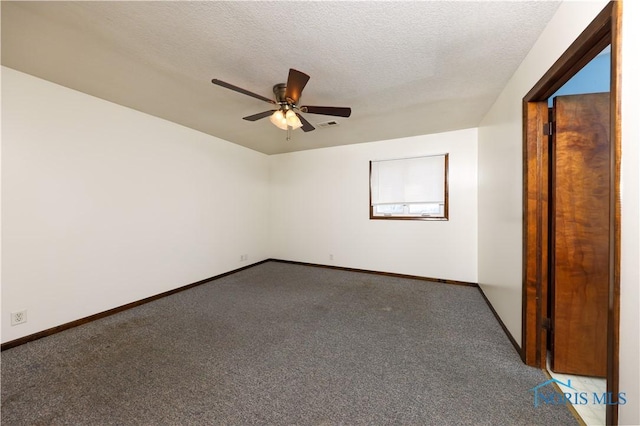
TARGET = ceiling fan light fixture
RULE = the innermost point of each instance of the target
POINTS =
(279, 120)
(292, 120)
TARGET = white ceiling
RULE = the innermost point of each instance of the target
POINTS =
(405, 68)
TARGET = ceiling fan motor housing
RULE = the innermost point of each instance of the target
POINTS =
(279, 90)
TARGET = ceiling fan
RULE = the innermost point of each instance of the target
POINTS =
(287, 96)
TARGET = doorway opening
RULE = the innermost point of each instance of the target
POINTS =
(579, 234)
(538, 254)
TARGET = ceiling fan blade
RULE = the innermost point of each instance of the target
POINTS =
(306, 126)
(295, 83)
(259, 115)
(335, 111)
(241, 90)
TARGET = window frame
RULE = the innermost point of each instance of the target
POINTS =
(444, 217)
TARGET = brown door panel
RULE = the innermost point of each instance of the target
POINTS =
(580, 234)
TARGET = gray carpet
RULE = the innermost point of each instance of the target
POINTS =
(282, 344)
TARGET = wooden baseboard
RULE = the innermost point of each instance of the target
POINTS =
(81, 321)
(504, 327)
(386, 274)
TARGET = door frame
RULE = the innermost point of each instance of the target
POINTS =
(602, 31)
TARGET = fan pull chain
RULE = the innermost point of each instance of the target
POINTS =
(288, 133)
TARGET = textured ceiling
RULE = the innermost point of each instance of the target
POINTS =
(405, 68)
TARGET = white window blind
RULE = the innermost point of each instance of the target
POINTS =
(418, 180)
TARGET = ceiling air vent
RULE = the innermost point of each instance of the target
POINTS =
(326, 124)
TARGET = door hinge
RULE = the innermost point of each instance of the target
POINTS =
(546, 323)
(547, 128)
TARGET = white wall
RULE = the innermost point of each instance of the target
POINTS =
(319, 206)
(500, 166)
(103, 205)
(500, 185)
(630, 203)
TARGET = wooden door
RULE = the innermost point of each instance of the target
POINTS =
(580, 234)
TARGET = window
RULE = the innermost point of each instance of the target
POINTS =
(409, 188)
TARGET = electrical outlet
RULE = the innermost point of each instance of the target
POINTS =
(330, 257)
(244, 257)
(19, 317)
